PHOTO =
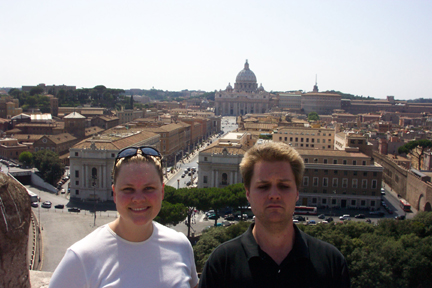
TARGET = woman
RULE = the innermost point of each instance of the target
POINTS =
(131, 251)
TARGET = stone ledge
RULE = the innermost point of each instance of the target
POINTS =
(40, 279)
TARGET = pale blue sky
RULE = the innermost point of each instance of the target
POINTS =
(370, 47)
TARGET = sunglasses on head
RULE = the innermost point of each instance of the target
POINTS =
(132, 151)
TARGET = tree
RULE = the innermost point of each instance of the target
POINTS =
(26, 158)
(49, 165)
(36, 91)
(313, 116)
(416, 148)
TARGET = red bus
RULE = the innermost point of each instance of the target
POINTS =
(405, 205)
(305, 210)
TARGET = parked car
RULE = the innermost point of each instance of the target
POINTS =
(35, 204)
(59, 206)
(46, 204)
(62, 191)
(321, 216)
(183, 175)
(329, 219)
(360, 216)
(345, 217)
(299, 218)
(212, 217)
(229, 217)
(74, 209)
(379, 213)
(311, 222)
(397, 217)
(383, 191)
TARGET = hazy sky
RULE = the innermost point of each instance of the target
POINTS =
(369, 47)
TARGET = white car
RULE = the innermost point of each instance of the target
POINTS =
(345, 217)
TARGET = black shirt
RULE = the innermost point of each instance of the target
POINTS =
(241, 263)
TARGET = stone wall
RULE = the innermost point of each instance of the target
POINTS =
(393, 175)
(419, 193)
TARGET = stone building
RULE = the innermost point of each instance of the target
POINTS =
(74, 123)
(92, 160)
(59, 143)
(11, 148)
(306, 137)
(344, 179)
(246, 97)
(218, 164)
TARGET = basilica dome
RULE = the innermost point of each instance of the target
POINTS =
(246, 75)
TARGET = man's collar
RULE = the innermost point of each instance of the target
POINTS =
(299, 250)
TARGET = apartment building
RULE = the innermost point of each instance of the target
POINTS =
(306, 137)
(340, 179)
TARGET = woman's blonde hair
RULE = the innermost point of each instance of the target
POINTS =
(139, 158)
(271, 151)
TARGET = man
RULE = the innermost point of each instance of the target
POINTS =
(273, 252)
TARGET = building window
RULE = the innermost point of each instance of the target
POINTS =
(353, 202)
(363, 203)
(335, 172)
(291, 139)
(76, 183)
(325, 182)
(344, 162)
(364, 184)
(76, 154)
(314, 200)
(286, 138)
(335, 182)
(224, 179)
(280, 138)
(205, 179)
(324, 201)
(306, 160)
(374, 184)
(355, 173)
(315, 181)
(354, 183)
(305, 181)
(76, 192)
(372, 203)
(112, 155)
(354, 162)
(205, 158)
(76, 173)
(334, 161)
(345, 183)
(325, 172)
(364, 163)
(365, 173)
(325, 161)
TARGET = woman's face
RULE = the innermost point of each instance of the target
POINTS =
(138, 193)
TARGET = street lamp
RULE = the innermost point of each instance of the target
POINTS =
(94, 177)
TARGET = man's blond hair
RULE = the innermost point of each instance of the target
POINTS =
(271, 151)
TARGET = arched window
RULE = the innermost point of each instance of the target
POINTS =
(224, 179)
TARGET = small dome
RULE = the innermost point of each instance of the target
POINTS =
(261, 88)
(229, 87)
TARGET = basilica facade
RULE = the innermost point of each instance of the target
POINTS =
(246, 97)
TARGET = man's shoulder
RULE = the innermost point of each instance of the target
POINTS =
(320, 247)
(229, 248)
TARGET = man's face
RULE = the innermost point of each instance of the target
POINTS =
(273, 193)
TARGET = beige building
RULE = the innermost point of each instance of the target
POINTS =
(92, 160)
(11, 148)
(320, 102)
(218, 164)
(128, 115)
(246, 97)
(306, 137)
(353, 141)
